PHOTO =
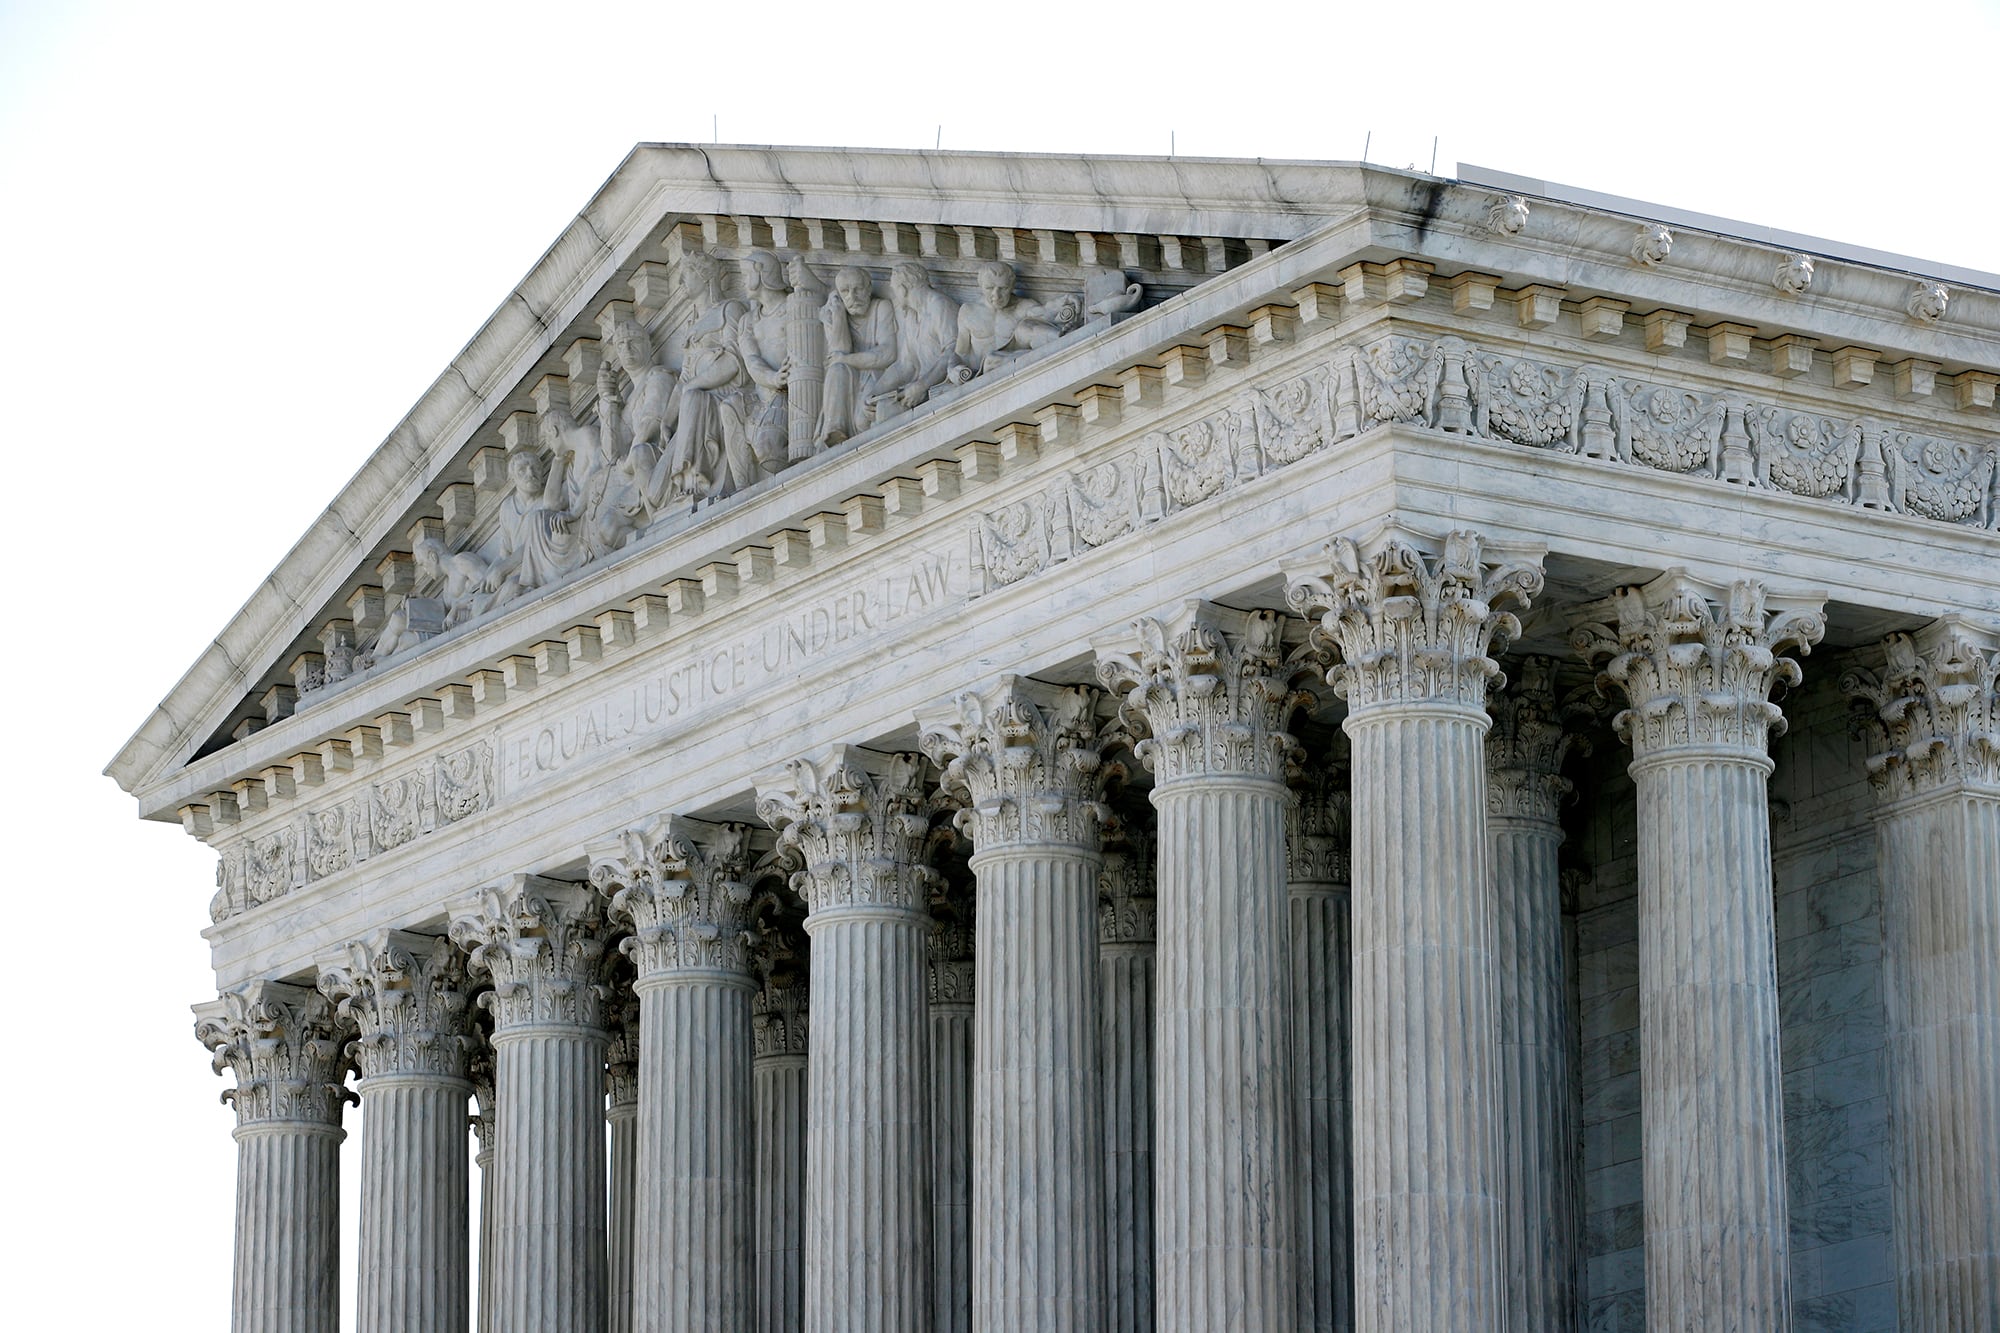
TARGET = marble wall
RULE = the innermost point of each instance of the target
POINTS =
(1828, 903)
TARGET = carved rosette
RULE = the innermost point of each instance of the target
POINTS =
(1411, 627)
(1527, 744)
(1024, 758)
(621, 1057)
(1698, 662)
(1205, 701)
(683, 886)
(542, 942)
(287, 1048)
(409, 997)
(1316, 827)
(1932, 716)
(859, 822)
(1128, 911)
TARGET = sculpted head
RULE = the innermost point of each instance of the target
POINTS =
(631, 345)
(996, 283)
(526, 470)
(761, 269)
(855, 289)
(429, 555)
(907, 279)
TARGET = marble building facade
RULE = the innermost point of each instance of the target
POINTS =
(935, 741)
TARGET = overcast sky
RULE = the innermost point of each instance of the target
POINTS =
(236, 242)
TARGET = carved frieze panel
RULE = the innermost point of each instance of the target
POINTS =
(324, 840)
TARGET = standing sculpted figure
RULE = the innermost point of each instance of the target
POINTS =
(712, 379)
(860, 345)
(1001, 326)
(534, 544)
(762, 343)
(926, 333)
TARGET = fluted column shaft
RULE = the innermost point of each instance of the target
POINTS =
(1426, 1217)
(623, 1119)
(1126, 929)
(951, 1159)
(1711, 1097)
(414, 1265)
(287, 1272)
(694, 1270)
(868, 1134)
(549, 1231)
(1320, 947)
(779, 1088)
(1538, 1143)
(488, 1185)
(1941, 956)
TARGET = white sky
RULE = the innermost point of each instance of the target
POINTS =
(237, 241)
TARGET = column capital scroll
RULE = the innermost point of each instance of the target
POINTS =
(1698, 662)
(410, 999)
(1024, 757)
(287, 1048)
(1316, 822)
(684, 886)
(1208, 692)
(1410, 626)
(1932, 714)
(1532, 734)
(542, 941)
(859, 823)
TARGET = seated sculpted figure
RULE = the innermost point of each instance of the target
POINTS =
(534, 544)
(926, 333)
(712, 381)
(459, 580)
(761, 345)
(1000, 326)
(860, 345)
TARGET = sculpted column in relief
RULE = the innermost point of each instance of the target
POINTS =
(1698, 664)
(1538, 1146)
(1126, 914)
(1933, 719)
(288, 1055)
(952, 978)
(1316, 863)
(1413, 627)
(542, 943)
(1212, 704)
(860, 823)
(621, 1113)
(408, 996)
(682, 886)
(779, 1032)
(1023, 757)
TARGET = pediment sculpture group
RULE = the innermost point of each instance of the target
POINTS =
(791, 368)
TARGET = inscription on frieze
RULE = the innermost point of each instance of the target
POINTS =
(715, 669)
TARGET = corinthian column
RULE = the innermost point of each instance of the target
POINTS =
(1316, 867)
(1934, 718)
(780, 1031)
(1697, 664)
(407, 995)
(1538, 1207)
(1126, 914)
(859, 822)
(621, 1113)
(287, 1052)
(542, 943)
(1413, 628)
(952, 970)
(1213, 704)
(681, 885)
(1023, 757)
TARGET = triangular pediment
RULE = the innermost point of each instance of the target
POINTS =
(433, 533)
